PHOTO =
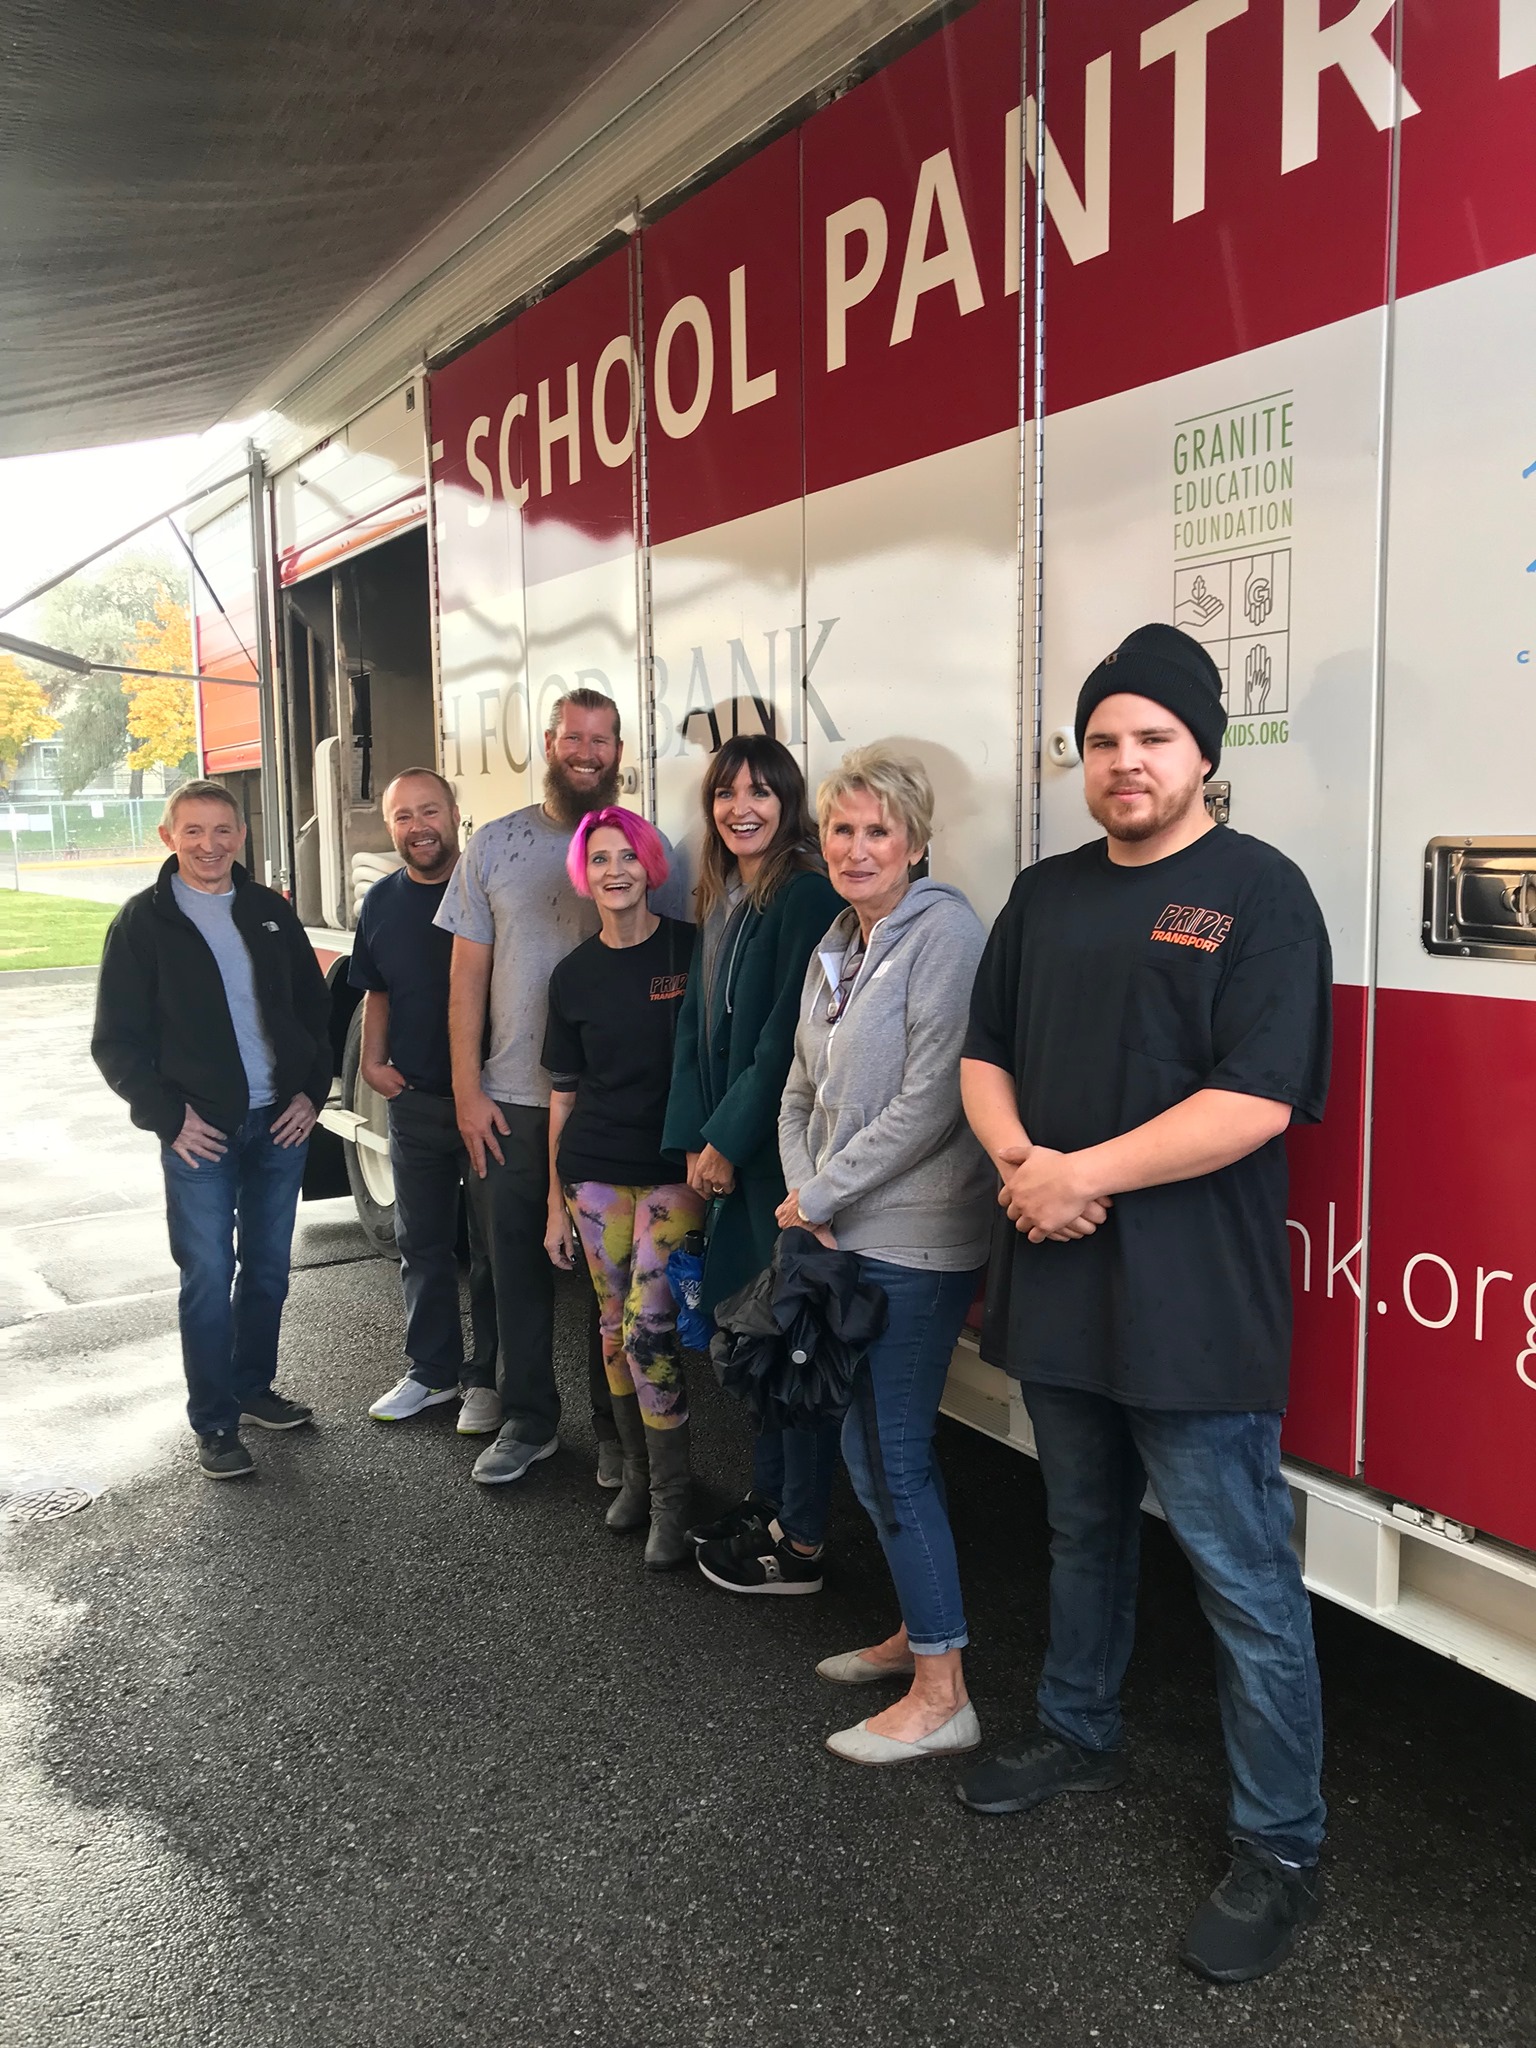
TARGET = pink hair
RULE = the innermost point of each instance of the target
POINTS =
(642, 836)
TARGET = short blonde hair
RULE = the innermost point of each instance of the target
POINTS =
(899, 785)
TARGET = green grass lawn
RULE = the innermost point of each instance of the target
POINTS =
(50, 931)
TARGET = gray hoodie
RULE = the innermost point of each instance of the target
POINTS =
(871, 1131)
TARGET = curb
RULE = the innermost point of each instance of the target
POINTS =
(13, 977)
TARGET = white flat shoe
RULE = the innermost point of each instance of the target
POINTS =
(856, 1669)
(960, 1732)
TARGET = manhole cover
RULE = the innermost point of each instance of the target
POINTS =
(43, 1504)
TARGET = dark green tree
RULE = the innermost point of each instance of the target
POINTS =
(100, 617)
(93, 733)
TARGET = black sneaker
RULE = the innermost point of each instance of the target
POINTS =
(754, 1513)
(272, 1411)
(1024, 1773)
(760, 1561)
(223, 1456)
(1249, 1924)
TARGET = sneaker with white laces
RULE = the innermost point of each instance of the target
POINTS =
(409, 1397)
(480, 1412)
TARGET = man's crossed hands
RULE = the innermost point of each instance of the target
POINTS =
(1046, 1195)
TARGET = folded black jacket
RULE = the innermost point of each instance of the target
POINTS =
(164, 1037)
(790, 1342)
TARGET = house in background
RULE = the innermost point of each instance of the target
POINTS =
(36, 778)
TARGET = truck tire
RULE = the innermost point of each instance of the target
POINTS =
(368, 1170)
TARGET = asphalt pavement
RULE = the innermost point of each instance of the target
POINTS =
(359, 1753)
(87, 881)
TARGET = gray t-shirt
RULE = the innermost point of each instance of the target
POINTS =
(511, 891)
(214, 917)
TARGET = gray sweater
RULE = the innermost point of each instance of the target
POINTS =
(871, 1131)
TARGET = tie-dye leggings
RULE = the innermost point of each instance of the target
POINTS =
(628, 1235)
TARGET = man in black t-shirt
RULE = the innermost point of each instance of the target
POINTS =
(1151, 1013)
(401, 960)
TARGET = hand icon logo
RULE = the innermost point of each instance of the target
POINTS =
(1258, 674)
(1199, 608)
(1259, 592)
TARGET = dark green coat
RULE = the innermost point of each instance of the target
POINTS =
(729, 1070)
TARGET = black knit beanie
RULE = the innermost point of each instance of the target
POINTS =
(1173, 670)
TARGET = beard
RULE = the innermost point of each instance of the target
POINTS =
(1166, 811)
(568, 805)
(422, 861)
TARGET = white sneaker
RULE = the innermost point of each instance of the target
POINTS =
(480, 1413)
(409, 1397)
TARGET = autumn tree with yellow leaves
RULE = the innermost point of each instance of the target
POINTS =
(24, 715)
(162, 727)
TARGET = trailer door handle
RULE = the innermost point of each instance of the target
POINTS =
(1518, 898)
(1480, 898)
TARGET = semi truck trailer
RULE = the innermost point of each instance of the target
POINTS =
(869, 374)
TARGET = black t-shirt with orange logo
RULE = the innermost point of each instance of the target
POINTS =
(1109, 994)
(613, 1014)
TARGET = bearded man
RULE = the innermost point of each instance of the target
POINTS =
(1151, 1013)
(514, 916)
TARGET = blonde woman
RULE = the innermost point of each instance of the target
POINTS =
(879, 1161)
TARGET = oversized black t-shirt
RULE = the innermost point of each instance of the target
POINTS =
(613, 1014)
(1109, 994)
(398, 950)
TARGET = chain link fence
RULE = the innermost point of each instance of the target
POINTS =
(94, 849)
(48, 829)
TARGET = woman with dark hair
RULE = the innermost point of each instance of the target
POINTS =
(763, 903)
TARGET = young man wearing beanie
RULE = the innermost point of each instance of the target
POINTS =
(1151, 1012)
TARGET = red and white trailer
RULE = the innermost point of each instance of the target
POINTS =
(856, 390)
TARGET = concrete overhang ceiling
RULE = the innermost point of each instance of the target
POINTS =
(192, 189)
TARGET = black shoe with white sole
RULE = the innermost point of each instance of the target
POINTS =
(761, 1561)
(1250, 1923)
(271, 1411)
(754, 1514)
(223, 1456)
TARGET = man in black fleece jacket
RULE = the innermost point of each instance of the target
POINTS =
(212, 1023)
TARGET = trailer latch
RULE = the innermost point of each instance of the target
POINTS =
(1439, 1525)
(1480, 898)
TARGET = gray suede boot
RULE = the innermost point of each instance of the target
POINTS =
(671, 1498)
(631, 1508)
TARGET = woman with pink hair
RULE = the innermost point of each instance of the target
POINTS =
(613, 1010)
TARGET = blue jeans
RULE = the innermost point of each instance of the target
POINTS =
(795, 1468)
(890, 1426)
(231, 1225)
(1218, 1481)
